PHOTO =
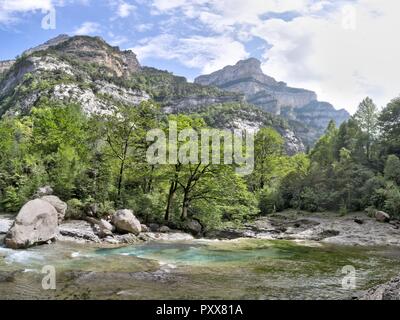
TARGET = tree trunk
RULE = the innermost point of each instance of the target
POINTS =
(121, 173)
(171, 197)
(185, 207)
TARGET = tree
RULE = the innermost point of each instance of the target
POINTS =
(268, 146)
(324, 151)
(60, 139)
(125, 134)
(367, 119)
(392, 169)
(389, 124)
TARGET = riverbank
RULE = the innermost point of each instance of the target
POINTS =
(355, 229)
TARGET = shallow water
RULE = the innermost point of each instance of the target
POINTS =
(198, 269)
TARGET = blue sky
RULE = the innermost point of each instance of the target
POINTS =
(342, 49)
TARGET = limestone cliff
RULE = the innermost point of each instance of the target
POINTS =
(295, 104)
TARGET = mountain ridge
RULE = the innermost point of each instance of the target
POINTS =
(296, 104)
(88, 71)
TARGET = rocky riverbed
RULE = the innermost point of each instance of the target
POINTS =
(356, 229)
(322, 229)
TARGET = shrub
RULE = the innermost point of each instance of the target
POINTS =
(76, 209)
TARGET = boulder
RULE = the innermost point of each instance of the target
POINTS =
(193, 226)
(44, 191)
(164, 229)
(36, 223)
(104, 224)
(58, 204)
(77, 231)
(154, 227)
(126, 222)
(382, 216)
(145, 228)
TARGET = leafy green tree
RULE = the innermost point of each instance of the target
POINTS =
(268, 146)
(367, 119)
(389, 123)
(392, 169)
(324, 150)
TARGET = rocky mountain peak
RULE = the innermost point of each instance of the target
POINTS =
(44, 46)
(249, 69)
(265, 92)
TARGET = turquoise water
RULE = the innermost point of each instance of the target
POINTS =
(242, 269)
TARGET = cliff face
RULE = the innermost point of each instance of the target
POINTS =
(87, 71)
(82, 70)
(6, 65)
(276, 97)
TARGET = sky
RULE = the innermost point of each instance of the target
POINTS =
(344, 50)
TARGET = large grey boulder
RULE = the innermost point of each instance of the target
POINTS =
(193, 226)
(58, 204)
(382, 216)
(37, 222)
(126, 222)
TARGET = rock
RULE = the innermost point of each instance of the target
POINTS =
(226, 234)
(77, 230)
(358, 221)
(193, 226)
(92, 209)
(58, 204)
(154, 227)
(145, 228)
(386, 291)
(164, 229)
(36, 223)
(327, 234)
(125, 221)
(5, 224)
(106, 225)
(382, 216)
(44, 191)
(106, 228)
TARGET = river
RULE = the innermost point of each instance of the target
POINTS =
(197, 269)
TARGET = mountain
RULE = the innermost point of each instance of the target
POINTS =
(88, 71)
(294, 104)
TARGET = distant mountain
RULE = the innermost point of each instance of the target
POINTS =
(294, 104)
(88, 71)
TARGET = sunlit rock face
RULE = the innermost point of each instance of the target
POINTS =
(276, 97)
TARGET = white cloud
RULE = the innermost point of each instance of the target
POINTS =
(8, 8)
(125, 9)
(206, 53)
(88, 28)
(342, 60)
(343, 49)
(144, 27)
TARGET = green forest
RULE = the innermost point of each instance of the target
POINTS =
(101, 160)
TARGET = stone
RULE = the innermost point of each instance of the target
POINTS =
(36, 223)
(154, 227)
(125, 222)
(58, 204)
(77, 230)
(104, 224)
(193, 226)
(386, 291)
(358, 221)
(164, 229)
(145, 228)
(44, 191)
(382, 216)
